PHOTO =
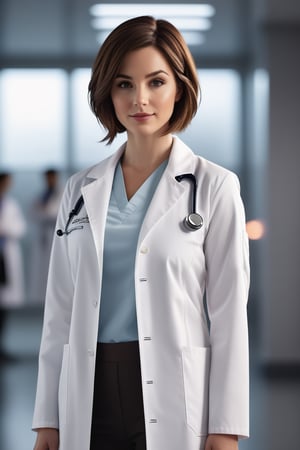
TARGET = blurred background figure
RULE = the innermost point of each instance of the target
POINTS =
(12, 229)
(43, 213)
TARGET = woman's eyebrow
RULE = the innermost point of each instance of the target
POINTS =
(149, 75)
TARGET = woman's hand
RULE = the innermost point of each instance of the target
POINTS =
(47, 439)
(221, 442)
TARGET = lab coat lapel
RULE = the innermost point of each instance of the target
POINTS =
(169, 190)
(96, 194)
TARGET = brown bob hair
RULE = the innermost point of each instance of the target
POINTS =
(131, 35)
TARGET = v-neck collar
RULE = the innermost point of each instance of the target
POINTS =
(145, 191)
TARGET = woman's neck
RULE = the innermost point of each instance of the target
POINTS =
(141, 158)
(146, 154)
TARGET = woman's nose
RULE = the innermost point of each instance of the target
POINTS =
(140, 96)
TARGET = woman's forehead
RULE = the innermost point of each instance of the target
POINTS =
(147, 60)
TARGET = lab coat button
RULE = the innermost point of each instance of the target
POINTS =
(144, 250)
(143, 279)
(149, 382)
(95, 303)
(147, 338)
(153, 420)
(91, 352)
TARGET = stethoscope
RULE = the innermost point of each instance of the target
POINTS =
(192, 222)
(74, 212)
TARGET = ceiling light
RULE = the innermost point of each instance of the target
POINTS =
(194, 37)
(182, 23)
(168, 10)
(190, 19)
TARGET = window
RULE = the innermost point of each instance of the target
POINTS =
(86, 131)
(33, 118)
(215, 132)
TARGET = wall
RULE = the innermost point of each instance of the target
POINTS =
(276, 43)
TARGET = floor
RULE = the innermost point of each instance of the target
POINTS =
(18, 378)
(275, 392)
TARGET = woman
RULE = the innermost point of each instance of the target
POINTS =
(128, 358)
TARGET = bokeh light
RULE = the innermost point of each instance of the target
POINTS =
(255, 229)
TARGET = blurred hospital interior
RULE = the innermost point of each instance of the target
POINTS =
(247, 55)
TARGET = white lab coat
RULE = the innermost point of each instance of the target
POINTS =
(194, 382)
(12, 227)
(44, 217)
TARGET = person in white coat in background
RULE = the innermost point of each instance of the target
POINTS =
(44, 214)
(12, 229)
(129, 358)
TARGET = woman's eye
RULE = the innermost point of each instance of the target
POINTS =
(124, 84)
(157, 82)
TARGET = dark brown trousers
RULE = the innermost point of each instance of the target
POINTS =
(118, 414)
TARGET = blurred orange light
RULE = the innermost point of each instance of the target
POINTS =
(255, 229)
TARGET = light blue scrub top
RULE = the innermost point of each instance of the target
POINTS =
(118, 322)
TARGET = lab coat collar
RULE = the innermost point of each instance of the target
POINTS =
(100, 169)
(168, 192)
(180, 159)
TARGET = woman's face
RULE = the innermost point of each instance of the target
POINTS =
(144, 92)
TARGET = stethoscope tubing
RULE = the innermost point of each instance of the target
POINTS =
(193, 221)
(74, 212)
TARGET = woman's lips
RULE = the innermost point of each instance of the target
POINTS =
(141, 116)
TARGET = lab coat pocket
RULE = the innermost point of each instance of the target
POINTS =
(196, 367)
(63, 386)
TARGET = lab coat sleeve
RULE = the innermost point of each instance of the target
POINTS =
(227, 260)
(57, 316)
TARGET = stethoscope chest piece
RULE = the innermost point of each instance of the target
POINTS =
(193, 221)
